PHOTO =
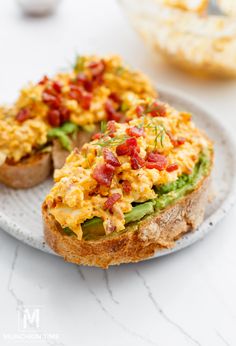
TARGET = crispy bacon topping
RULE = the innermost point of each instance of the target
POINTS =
(22, 115)
(103, 174)
(112, 113)
(172, 167)
(126, 186)
(115, 97)
(51, 99)
(82, 80)
(136, 161)
(110, 158)
(135, 131)
(97, 135)
(111, 127)
(157, 110)
(57, 117)
(176, 141)
(157, 161)
(139, 111)
(97, 68)
(111, 200)
(54, 117)
(64, 114)
(128, 147)
(56, 86)
(43, 81)
(83, 97)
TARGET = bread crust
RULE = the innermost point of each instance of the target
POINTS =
(140, 241)
(26, 173)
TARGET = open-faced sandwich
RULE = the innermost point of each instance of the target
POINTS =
(52, 117)
(133, 190)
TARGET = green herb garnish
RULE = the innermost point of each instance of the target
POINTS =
(111, 141)
(79, 64)
(103, 126)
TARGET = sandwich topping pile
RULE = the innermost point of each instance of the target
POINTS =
(96, 89)
(129, 170)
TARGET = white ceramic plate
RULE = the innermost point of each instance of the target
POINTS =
(20, 211)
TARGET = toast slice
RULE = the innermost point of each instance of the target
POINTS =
(28, 172)
(139, 241)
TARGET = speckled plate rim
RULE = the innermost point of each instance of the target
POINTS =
(190, 103)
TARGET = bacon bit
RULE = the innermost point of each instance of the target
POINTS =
(83, 97)
(112, 114)
(156, 161)
(85, 100)
(82, 80)
(22, 115)
(139, 111)
(172, 167)
(54, 117)
(115, 97)
(136, 161)
(97, 135)
(128, 147)
(135, 131)
(57, 117)
(180, 141)
(103, 174)
(110, 158)
(97, 68)
(176, 141)
(64, 114)
(50, 99)
(111, 200)
(56, 86)
(126, 185)
(88, 85)
(111, 127)
(157, 110)
(43, 81)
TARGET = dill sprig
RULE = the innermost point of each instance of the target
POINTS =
(103, 126)
(159, 131)
(79, 63)
(111, 142)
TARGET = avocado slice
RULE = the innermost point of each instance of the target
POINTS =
(62, 134)
(95, 225)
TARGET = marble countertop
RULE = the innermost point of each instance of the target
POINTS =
(187, 298)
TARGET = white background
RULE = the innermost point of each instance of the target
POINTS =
(188, 298)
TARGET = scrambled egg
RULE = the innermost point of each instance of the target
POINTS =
(77, 195)
(18, 139)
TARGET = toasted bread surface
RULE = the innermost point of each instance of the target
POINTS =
(28, 172)
(140, 240)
